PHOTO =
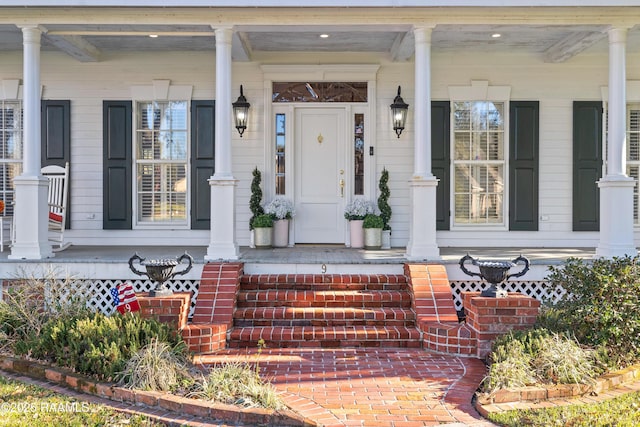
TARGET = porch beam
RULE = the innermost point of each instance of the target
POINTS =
(403, 47)
(76, 47)
(240, 47)
(572, 45)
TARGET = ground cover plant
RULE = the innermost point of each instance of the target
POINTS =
(39, 320)
(592, 329)
(623, 411)
(24, 404)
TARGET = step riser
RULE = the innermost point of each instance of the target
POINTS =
(324, 286)
(330, 344)
(323, 323)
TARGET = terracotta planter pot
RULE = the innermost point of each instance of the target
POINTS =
(281, 233)
(357, 233)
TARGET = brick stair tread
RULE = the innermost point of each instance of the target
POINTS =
(325, 286)
(324, 312)
(339, 336)
(350, 279)
(323, 316)
(311, 298)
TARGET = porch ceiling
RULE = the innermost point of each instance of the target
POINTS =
(553, 43)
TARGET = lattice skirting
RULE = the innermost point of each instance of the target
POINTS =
(99, 297)
(97, 291)
(537, 289)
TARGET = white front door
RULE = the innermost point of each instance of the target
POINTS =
(320, 186)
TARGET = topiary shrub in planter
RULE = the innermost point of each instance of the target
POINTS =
(255, 202)
(385, 208)
(263, 227)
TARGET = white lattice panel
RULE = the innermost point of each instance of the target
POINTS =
(536, 289)
(98, 292)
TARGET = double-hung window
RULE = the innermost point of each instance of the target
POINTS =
(10, 150)
(633, 153)
(479, 163)
(161, 162)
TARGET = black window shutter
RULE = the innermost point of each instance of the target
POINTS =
(587, 164)
(202, 162)
(117, 157)
(441, 159)
(523, 165)
(56, 139)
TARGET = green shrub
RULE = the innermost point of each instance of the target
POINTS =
(255, 202)
(602, 304)
(98, 345)
(561, 360)
(263, 221)
(372, 221)
(383, 199)
(157, 366)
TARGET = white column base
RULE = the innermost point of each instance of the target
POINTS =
(616, 217)
(222, 242)
(422, 223)
(31, 219)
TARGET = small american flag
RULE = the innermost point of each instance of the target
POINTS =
(124, 298)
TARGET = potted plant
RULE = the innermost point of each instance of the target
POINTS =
(255, 202)
(372, 226)
(281, 210)
(355, 212)
(385, 209)
(262, 228)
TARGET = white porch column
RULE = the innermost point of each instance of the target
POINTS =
(31, 210)
(422, 226)
(222, 242)
(616, 188)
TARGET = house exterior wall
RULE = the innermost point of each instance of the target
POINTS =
(555, 86)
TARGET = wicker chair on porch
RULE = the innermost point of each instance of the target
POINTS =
(58, 191)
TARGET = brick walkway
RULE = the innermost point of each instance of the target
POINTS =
(371, 387)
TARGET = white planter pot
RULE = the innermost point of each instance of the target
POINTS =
(252, 239)
(386, 239)
(262, 237)
(281, 233)
(356, 233)
(372, 238)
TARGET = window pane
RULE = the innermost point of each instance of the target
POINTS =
(479, 164)
(319, 92)
(280, 153)
(10, 150)
(358, 151)
(633, 134)
(162, 153)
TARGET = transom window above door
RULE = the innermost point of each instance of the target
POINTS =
(320, 92)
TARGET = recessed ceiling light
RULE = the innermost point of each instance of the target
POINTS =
(496, 35)
(153, 36)
(324, 36)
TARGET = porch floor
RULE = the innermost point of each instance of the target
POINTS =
(304, 254)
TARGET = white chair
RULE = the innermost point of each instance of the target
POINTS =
(58, 191)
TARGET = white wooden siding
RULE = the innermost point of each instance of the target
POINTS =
(556, 86)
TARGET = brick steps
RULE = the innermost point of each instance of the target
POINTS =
(330, 298)
(325, 337)
(328, 311)
(323, 316)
